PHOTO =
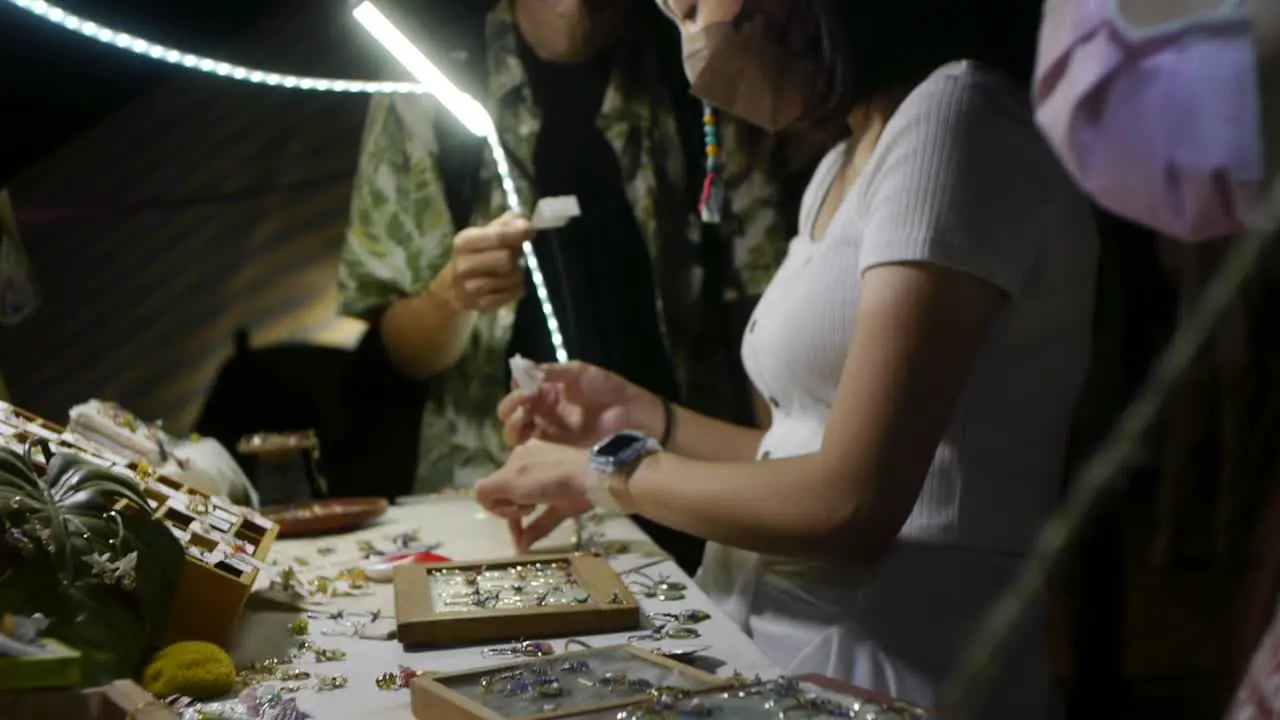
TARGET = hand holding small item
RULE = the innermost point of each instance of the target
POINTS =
(574, 403)
(538, 473)
(486, 270)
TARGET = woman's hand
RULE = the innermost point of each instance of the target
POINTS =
(578, 404)
(537, 473)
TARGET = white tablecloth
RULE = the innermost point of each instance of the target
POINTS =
(467, 533)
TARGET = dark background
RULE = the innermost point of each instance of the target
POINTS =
(56, 84)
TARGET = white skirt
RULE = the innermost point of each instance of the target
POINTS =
(897, 632)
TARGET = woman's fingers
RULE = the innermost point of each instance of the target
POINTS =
(541, 415)
(544, 524)
(518, 428)
(513, 401)
(563, 373)
(515, 528)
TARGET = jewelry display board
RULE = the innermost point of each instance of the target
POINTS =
(563, 686)
(542, 596)
(802, 698)
(226, 545)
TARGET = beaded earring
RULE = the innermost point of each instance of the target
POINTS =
(711, 204)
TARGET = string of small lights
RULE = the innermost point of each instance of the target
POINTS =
(452, 98)
(171, 56)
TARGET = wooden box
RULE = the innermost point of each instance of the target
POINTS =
(226, 545)
(828, 700)
(121, 700)
(126, 700)
(424, 619)
(463, 695)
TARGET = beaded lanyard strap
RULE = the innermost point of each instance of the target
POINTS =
(711, 203)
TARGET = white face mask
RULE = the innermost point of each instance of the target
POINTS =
(1155, 108)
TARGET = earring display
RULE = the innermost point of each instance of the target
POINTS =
(226, 545)
(546, 596)
(804, 698)
(659, 588)
(593, 680)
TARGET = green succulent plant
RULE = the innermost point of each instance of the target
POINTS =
(104, 577)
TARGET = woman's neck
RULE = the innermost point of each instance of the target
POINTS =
(867, 123)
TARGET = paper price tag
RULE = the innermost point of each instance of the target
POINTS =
(526, 374)
(555, 212)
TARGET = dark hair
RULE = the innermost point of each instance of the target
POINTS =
(646, 46)
(869, 48)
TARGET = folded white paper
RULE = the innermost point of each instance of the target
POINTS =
(203, 463)
(555, 212)
(526, 374)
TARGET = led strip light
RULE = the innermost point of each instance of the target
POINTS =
(431, 81)
(473, 115)
(171, 56)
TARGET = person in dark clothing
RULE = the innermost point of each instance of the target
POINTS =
(590, 97)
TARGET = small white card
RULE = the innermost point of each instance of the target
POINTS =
(526, 374)
(246, 563)
(219, 524)
(555, 212)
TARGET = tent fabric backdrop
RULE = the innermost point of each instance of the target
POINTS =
(141, 305)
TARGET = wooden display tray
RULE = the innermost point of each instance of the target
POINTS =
(121, 700)
(840, 687)
(419, 624)
(836, 690)
(211, 596)
(433, 698)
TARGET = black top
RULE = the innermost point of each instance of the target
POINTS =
(598, 268)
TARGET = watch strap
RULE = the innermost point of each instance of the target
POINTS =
(600, 492)
(605, 488)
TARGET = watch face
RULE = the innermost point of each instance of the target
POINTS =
(618, 445)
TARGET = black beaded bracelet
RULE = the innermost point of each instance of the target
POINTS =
(668, 422)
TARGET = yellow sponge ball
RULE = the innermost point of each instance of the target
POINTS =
(199, 670)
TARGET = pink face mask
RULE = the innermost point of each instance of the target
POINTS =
(1154, 107)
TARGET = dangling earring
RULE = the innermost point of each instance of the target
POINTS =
(711, 204)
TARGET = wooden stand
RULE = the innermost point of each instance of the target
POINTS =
(213, 588)
(434, 697)
(216, 582)
(121, 700)
(611, 608)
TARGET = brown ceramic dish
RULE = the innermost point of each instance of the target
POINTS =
(320, 517)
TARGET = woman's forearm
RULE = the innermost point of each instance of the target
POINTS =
(426, 334)
(695, 435)
(739, 504)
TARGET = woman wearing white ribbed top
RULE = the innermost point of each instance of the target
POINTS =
(921, 348)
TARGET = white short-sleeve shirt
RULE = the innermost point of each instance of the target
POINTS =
(959, 178)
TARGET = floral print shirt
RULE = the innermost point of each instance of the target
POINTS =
(401, 233)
